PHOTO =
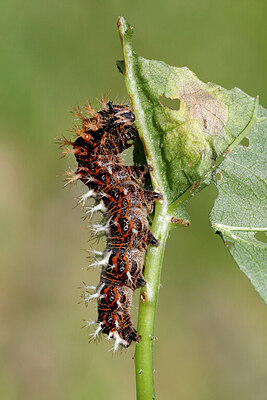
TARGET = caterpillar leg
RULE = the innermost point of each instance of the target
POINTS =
(140, 172)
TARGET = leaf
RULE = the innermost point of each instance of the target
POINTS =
(239, 213)
(186, 148)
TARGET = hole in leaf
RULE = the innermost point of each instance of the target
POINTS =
(261, 237)
(121, 66)
(173, 104)
(244, 142)
(218, 176)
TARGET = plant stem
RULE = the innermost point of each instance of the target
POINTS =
(144, 353)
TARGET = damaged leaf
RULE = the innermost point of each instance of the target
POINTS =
(239, 212)
(187, 148)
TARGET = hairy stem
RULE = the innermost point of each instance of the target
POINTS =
(144, 353)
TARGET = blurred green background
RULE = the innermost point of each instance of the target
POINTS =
(211, 324)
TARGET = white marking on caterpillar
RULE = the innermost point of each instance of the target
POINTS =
(96, 228)
(97, 253)
(86, 287)
(88, 324)
(87, 195)
(120, 305)
(118, 341)
(103, 262)
(88, 296)
(96, 333)
(99, 207)
(129, 277)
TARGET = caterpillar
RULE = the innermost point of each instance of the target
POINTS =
(125, 203)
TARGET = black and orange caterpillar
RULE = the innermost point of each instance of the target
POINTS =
(121, 196)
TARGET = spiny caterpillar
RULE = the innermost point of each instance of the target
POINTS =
(125, 203)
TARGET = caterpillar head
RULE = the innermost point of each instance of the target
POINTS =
(122, 119)
(122, 114)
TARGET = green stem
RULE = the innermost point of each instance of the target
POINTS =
(144, 354)
(160, 227)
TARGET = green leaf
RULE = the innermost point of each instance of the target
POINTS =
(239, 213)
(189, 147)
